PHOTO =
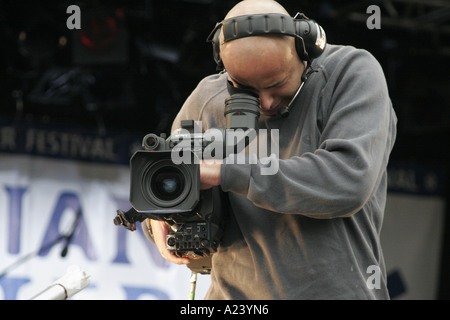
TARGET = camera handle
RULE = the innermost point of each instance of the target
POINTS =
(129, 218)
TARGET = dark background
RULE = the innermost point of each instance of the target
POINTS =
(133, 63)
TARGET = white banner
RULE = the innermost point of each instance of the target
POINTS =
(40, 201)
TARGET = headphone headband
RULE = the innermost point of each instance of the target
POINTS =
(310, 37)
(260, 24)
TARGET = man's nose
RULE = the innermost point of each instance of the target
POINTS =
(266, 101)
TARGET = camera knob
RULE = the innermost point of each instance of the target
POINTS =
(204, 243)
(150, 142)
(171, 241)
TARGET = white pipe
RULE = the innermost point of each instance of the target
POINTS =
(65, 287)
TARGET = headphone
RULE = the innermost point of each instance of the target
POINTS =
(310, 38)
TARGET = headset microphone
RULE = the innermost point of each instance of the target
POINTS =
(284, 112)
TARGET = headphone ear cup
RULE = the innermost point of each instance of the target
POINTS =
(312, 39)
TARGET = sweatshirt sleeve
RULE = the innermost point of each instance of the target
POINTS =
(205, 103)
(339, 177)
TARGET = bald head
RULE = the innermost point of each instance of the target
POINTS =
(255, 7)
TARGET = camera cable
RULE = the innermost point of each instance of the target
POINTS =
(193, 281)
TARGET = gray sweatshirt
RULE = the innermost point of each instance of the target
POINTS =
(310, 230)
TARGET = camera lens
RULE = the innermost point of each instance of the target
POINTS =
(242, 111)
(167, 183)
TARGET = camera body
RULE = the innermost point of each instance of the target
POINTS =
(164, 189)
(165, 179)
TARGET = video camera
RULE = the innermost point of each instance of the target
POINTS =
(165, 179)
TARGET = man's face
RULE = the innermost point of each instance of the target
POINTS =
(267, 65)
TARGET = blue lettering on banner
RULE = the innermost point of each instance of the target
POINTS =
(11, 287)
(133, 293)
(74, 144)
(414, 178)
(15, 216)
(81, 236)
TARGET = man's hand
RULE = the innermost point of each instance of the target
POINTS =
(160, 230)
(209, 177)
(210, 173)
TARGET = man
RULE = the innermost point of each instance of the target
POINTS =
(310, 230)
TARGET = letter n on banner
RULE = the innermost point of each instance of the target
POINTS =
(81, 235)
